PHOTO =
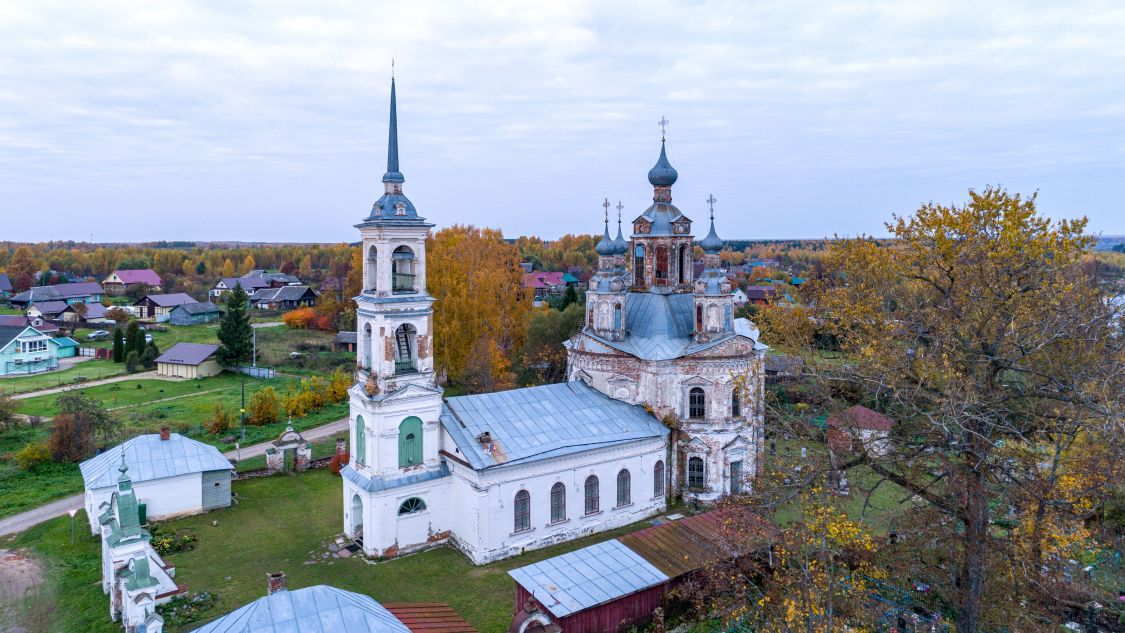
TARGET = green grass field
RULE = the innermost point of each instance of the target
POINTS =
(165, 336)
(277, 524)
(82, 372)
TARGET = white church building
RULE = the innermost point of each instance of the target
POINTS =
(664, 397)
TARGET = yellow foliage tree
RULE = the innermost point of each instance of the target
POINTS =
(228, 268)
(482, 310)
(264, 407)
(247, 265)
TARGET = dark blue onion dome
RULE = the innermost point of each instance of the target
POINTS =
(621, 247)
(712, 244)
(606, 247)
(662, 174)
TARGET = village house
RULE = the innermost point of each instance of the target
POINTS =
(253, 281)
(548, 284)
(24, 349)
(38, 323)
(52, 310)
(760, 295)
(119, 280)
(283, 298)
(134, 576)
(194, 313)
(344, 342)
(189, 360)
(497, 474)
(78, 292)
(858, 424)
(158, 306)
(173, 476)
(5, 286)
(83, 313)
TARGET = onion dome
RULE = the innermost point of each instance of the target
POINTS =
(622, 246)
(662, 174)
(606, 247)
(712, 244)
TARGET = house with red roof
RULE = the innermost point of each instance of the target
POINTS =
(119, 280)
(870, 428)
(546, 283)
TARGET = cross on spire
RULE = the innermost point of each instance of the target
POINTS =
(619, 208)
(663, 124)
(711, 200)
(392, 68)
(606, 205)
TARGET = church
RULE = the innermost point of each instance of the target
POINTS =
(663, 396)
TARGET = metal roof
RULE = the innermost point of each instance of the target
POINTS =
(59, 291)
(430, 617)
(317, 609)
(169, 300)
(146, 276)
(379, 484)
(188, 353)
(542, 422)
(150, 458)
(585, 578)
(679, 547)
(51, 307)
(203, 307)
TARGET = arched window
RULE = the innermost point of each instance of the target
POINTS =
(558, 503)
(658, 479)
(402, 270)
(727, 317)
(405, 347)
(736, 477)
(735, 403)
(367, 350)
(592, 503)
(660, 266)
(696, 403)
(624, 488)
(685, 264)
(698, 318)
(411, 506)
(360, 441)
(639, 265)
(522, 510)
(617, 316)
(410, 442)
(695, 475)
(357, 516)
(372, 280)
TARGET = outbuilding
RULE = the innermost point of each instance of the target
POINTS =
(189, 360)
(871, 429)
(194, 313)
(172, 476)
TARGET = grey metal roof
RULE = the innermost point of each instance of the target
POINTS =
(59, 291)
(8, 333)
(150, 457)
(317, 609)
(169, 300)
(95, 310)
(202, 307)
(538, 423)
(585, 578)
(283, 293)
(346, 337)
(379, 484)
(188, 353)
(5, 283)
(51, 307)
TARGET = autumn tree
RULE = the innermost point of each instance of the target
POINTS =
(228, 268)
(543, 357)
(482, 310)
(353, 286)
(22, 269)
(977, 330)
(70, 438)
(118, 315)
(247, 265)
(101, 423)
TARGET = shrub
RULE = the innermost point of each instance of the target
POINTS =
(298, 319)
(132, 361)
(31, 456)
(182, 610)
(338, 461)
(264, 407)
(220, 420)
(70, 438)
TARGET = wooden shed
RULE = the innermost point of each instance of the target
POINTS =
(189, 360)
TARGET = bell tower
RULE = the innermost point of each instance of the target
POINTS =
(395, 402)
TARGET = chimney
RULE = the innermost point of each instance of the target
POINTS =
(164, 433)
(276, 583)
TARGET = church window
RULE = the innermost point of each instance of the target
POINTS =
(698, 318)
(410, 442)
(658, 479)
(735, 403)
(695, 478)
(727, 317)
(402, 270)
(412, 505)
(736, 477)
(367, 350)
(360, 442)
(558, 503)
(639, 265)
(685, 264)
(522, 511)
(624, 488)
(592, 501)
(617, 316)
(661, 264)
(696, 403)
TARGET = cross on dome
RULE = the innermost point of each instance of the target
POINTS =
(663, 124)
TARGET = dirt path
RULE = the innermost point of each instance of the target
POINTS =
(145, 375)
(20, 522)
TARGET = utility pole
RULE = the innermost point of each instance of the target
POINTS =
(242, 411)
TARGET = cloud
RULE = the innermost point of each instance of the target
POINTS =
(267, 120)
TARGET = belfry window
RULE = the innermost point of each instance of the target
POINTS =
(685, 264)
(372, 269)
(410, 442)
(617, 316)
(405, 347)
(639, 265)
(402, 270)
(660, 266)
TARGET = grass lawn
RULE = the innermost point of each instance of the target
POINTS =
(165, 335)
(85, 371)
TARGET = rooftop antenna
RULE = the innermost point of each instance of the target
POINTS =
(663, 124)
(711, 200)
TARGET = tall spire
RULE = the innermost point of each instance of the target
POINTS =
(619, 241)
(393, 174)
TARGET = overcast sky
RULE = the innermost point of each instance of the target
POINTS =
(268, 120)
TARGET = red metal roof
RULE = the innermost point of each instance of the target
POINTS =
(429, 617)
(543, 279)
(683, 546)
(146, 276)
(860, 417)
